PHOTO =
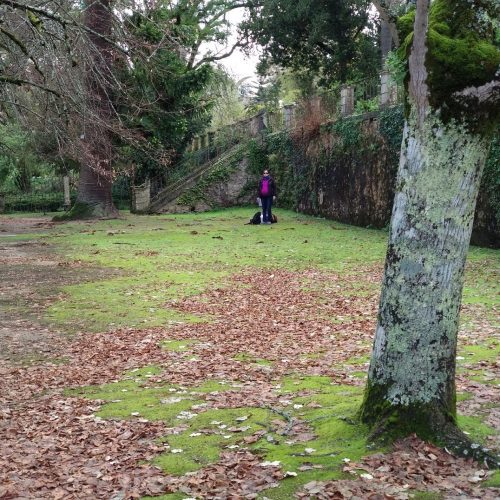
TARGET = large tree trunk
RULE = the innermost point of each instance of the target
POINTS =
(411, 380)
(94, 197)
(411, 384)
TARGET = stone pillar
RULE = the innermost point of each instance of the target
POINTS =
(258, 124)
(385, 88)
(316, 105)
(141, 198)
(67, 194)
(347, 100)
(288, 115)
(211, 139)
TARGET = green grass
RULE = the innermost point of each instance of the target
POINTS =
(478, 431)
(178, 345)
(247, 358)
(328, 409)
(161, 259)
(156, 261)
(482, 284)
(470, 355)
(493, 481)
(489, 351)
(426, 495)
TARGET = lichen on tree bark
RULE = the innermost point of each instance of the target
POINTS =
(411, 381)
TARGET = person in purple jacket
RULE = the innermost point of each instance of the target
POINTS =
(267, 194)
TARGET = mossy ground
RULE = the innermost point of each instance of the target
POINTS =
(156, 261)
(161, 259)
(471, 359)
(328, 409)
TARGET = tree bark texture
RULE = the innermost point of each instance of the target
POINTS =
(96, 174)
(413, 360)
(411, 380)
(385, 39)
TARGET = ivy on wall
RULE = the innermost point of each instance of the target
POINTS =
(297, 165)
(391, 122)
(220, 173)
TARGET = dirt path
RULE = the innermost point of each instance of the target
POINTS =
(32, 275)
(27, 268)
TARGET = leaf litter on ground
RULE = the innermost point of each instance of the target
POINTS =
(54, 445)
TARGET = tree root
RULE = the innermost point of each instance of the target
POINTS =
(444, 434)
(82, 211)
(460, 445)
(291, 421)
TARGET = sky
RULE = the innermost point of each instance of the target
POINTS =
(238, 64)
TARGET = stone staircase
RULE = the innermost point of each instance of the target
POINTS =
(172, 191)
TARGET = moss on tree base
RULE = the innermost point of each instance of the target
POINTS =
(81, 210)
(430, 421)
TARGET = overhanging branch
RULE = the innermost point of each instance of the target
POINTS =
(489, 93)
(20, 81)
(209, 59)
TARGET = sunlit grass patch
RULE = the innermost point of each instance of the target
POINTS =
(325, 412)
(132, 301)
(335, 433)
(464, 396)
(357, 360)
(426, 495)
(473, 360)
(165, 258)
(136, 397)
(489, 351)
(208, 434)
(168, 496)
(296, 383)
(493, 481)
(482, 283)
(477, 430)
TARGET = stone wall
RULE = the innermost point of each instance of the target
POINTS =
(231, 190)
(347, 172)
(355, 184)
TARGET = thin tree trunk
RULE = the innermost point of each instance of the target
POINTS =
(385, 39)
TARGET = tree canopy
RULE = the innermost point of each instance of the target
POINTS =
(333, 39)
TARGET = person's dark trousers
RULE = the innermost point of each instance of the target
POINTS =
(267, 201)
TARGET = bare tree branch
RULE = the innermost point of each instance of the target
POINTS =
(214, 58)
(20, 81)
